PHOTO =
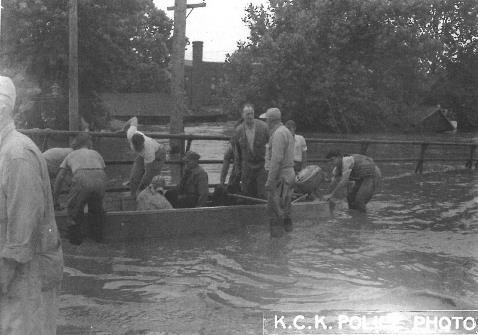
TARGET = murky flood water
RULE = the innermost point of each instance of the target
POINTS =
(416, 248)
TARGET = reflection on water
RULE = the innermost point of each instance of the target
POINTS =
(414, 249)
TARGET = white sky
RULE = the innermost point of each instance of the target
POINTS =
(219, 25)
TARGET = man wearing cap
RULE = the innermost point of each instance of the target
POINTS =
(300, 148)
(150, 157)
(193, 188)
(152, 197)
(31, 259)
(361, 170)
(280, 180)
(251, 137)
(87, 187)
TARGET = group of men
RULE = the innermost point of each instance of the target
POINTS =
(266, 156)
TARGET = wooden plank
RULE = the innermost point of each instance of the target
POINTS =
(141, 225)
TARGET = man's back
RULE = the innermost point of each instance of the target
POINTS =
(83, 159)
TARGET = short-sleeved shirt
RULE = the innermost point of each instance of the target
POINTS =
(347, 164)
(54, 157)
(150, 145)
(299, 147)
(83, 159)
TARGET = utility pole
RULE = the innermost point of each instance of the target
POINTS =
(176, 125)
(73, 118)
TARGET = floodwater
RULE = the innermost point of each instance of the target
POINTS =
(416, 248)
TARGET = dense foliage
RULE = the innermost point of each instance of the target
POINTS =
(347, 65)
(122, 46)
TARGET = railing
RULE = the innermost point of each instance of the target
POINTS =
(364, 145)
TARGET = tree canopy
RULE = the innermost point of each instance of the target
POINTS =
(347, 65)
(122, 46)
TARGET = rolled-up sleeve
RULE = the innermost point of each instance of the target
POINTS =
(25, 207)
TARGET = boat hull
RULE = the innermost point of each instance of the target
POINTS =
(122, 226)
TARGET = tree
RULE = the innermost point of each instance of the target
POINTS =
(347, 65)
(122, 46)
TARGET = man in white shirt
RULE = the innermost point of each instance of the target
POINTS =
(150, 159)
(359, 169)
(300, 148)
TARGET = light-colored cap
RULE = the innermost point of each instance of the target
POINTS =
(272, 114)
(7, 91)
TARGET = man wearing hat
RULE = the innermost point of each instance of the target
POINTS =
(152, 197)
(280, 181)
(31, 259)
(193, 188)
(87, 187)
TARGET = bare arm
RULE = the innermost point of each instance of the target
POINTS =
(341, 183)
(58, 183)
(131, 122)
(304, 159)
(228, 156)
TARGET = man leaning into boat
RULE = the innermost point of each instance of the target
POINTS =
(251, 137)
(280, 180)
(87, 187)
(359, 169)
(193, 188)
(150, 157)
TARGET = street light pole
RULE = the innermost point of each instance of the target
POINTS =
(176, 125)
(73, 116)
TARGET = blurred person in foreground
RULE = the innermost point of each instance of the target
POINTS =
(149, 160)
(193, 188)
(87, 188)
(31, 258)
(153, 196)
(300, 147)
(280, 180)
(358, 173)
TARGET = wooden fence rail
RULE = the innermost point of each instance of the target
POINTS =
(469, 162)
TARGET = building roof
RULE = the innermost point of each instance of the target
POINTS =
(141, 104)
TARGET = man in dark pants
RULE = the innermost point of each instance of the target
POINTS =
(251, 138)
(87, 187)
(193, 188)
(359, 169)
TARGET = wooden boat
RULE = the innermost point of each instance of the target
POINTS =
(130, 225)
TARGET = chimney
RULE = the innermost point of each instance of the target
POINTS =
(197, 52)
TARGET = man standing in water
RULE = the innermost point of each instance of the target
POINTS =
(251, 137)
(31, 259)
(359, 169)
(280, 181)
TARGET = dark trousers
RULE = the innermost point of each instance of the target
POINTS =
(254, 181)
(87, 188)
(181, 200)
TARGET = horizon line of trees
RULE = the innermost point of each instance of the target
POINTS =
(348, 66)
(334, 65)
